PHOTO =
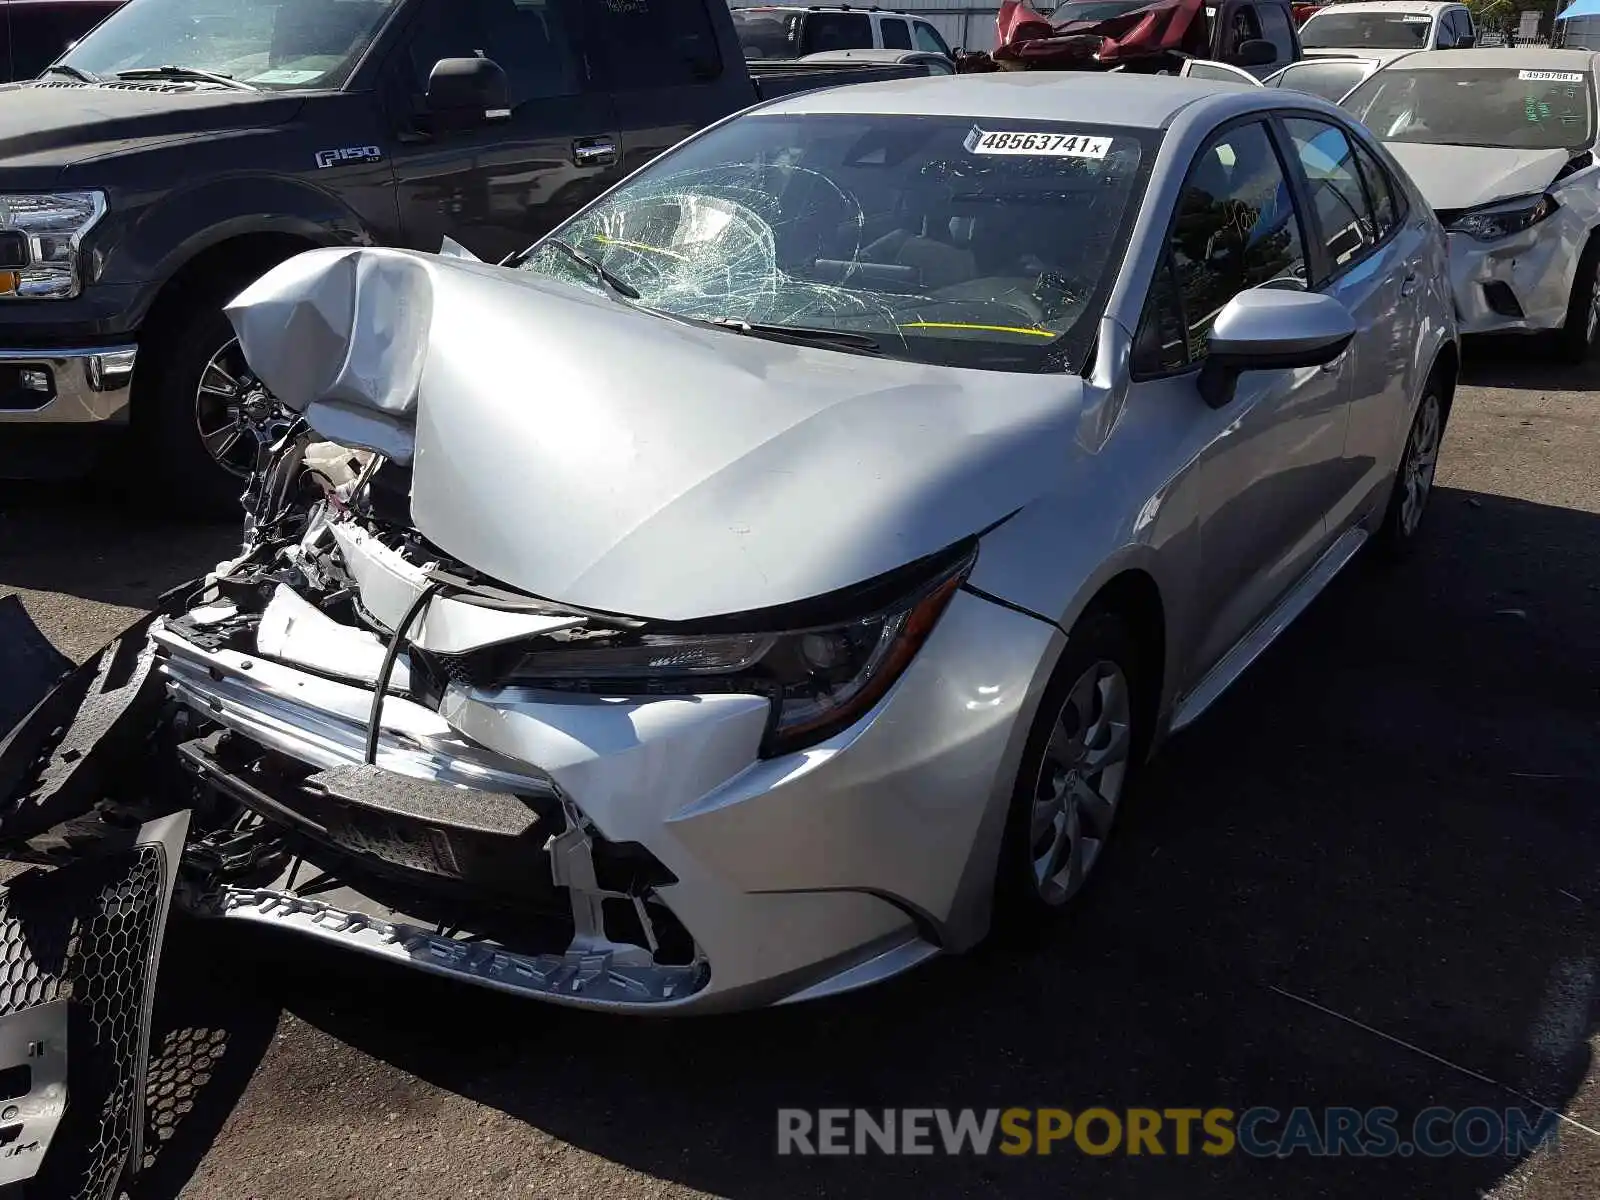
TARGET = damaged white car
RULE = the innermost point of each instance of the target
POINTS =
(780, 572)
(1502, 142)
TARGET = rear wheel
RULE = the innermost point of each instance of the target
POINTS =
(1575, 340)
(1413, 482)
(1080, 757)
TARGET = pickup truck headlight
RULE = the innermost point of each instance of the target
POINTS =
(1503, 218)
(39, 239)
(820, 679)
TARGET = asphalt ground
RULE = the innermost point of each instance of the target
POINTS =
(1367, 878)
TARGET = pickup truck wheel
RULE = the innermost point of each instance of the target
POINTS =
(207, 414)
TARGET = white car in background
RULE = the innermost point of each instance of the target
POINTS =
(1330, 78)
(1386, 29)
(1502, 143)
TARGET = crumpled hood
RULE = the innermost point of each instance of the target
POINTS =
(58, 122)
(1456, 177)
(594, 454)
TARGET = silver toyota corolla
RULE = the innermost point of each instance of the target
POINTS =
(1502, 144)
(776, 576)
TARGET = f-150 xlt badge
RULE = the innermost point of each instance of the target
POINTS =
(349, 154)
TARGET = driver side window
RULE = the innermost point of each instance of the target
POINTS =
(1236, 227)
(531, 40)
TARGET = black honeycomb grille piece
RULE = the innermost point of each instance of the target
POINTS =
(85, 934)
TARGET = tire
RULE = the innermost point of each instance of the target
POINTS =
(1101, 679)
(1413, 480)
(1575, 340)
(172, 412)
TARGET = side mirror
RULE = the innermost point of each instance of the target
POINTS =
(1466, 43)
(1257, 52)
(467, 92)
(1271, 329)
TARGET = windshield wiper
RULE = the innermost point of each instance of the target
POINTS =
(801, 335)
(72, 72)
(185, 73)
(620, 286)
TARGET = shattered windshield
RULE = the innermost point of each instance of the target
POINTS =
(1367, 31)
(947, 240)
(1479, 106)
(271, 44)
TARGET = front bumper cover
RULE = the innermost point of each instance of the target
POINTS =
(1534, 268)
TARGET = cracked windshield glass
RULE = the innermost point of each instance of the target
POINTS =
(927, 238)
(268, 44)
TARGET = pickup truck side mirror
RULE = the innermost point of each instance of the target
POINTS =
(1257, 52)
(1467, 42)
(464, 93)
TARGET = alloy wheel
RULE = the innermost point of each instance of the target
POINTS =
(234, 413)
(1421, 459)
(1080, 781)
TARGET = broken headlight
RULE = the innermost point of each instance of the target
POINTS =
(1503, 218)
(821, 678)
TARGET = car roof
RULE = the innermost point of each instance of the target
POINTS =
(1092, 97)
(1380, 6)
(1521, 58)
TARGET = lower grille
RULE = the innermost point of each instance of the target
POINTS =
(87, 935)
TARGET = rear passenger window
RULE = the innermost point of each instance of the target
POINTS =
(896, 34)
(1381, 189)
(837, 31)
(656, 43)
(1236, 228)
(1345, 221)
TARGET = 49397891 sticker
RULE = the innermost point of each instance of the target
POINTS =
(1053, 145)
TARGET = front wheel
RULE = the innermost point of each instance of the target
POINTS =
(205, 414)
(1075, 770)
(1575, 340)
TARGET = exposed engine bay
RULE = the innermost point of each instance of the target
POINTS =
(374, 812)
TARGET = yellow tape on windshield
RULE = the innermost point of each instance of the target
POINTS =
(608, 241)
(1044, 333)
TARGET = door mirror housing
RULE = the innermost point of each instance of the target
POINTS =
(1272, 329)
(464, 93)
(1466, 42)
(1257, 52)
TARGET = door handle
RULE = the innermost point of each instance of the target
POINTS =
(1408, 284)
(594, 152)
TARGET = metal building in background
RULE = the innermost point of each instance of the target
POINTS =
(964, 26)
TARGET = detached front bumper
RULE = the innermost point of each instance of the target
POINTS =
(1521, 284)
(791, 878)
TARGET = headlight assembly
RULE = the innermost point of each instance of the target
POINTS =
(820, 679)
(1503, 218)
(40, 235)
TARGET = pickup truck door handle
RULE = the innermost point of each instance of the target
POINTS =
(1408, 284)
(594, 152)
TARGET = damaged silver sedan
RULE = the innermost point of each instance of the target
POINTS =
(780, 573)
(1503, 144)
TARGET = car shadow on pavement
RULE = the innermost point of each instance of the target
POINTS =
(76, 540)
(1388, 831)
(1521, 363)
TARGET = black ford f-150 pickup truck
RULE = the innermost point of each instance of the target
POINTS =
(185, 146)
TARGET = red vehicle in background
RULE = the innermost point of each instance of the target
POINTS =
(1147, 36)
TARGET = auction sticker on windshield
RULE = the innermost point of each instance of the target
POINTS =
(1059, 145)
(1550, 76)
